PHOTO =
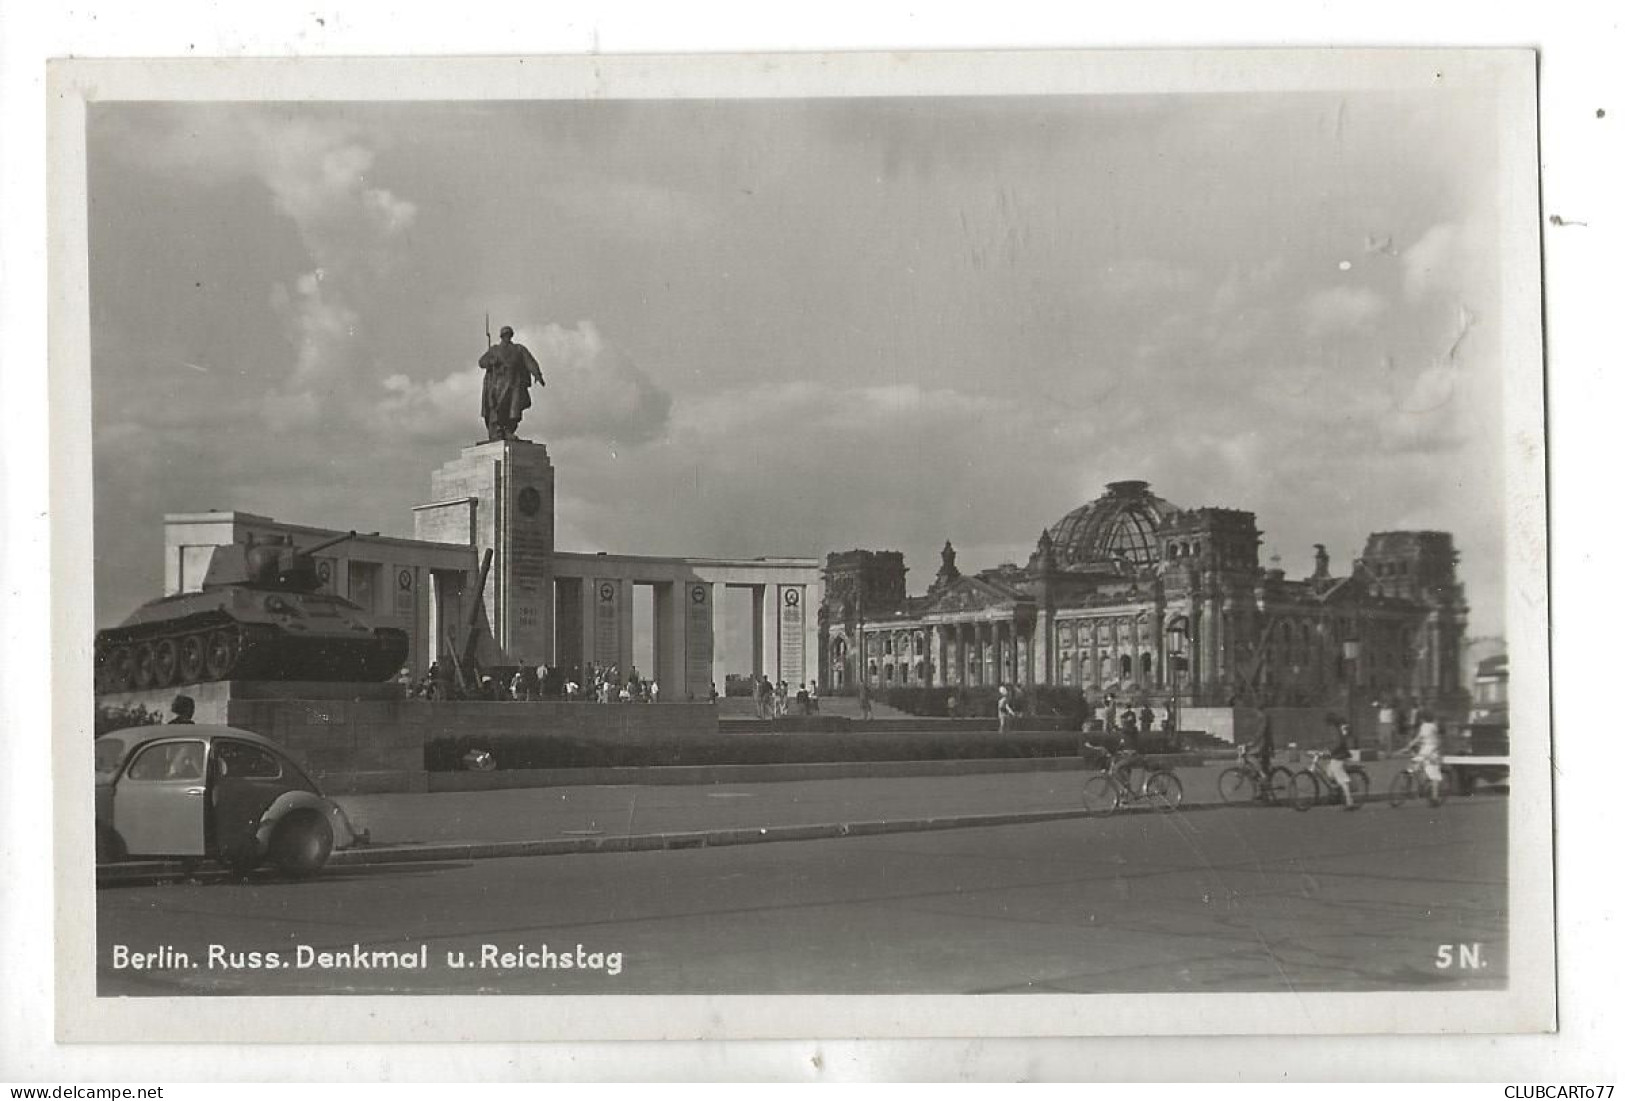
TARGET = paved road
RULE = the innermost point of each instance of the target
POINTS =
(525, 814)
(1230, 900)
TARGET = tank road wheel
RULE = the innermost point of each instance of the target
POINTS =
(220, 654)
(120, 669)
(1236, 786)
(192, 655)
(142, 672)
(166, 659)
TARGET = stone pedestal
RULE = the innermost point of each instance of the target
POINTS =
(498, 496)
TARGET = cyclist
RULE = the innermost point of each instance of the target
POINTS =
(1335, 771)
(1264, 749)
(1128, 756)
(1425, 746)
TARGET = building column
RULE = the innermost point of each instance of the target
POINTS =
(758, 629)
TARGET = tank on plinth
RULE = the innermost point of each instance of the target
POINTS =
(259, 617)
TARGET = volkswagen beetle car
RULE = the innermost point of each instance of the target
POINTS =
(193, 791)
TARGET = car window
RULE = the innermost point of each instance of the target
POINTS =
(109, 755)
(246, 762)
(169, 761)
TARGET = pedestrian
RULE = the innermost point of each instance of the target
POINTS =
(654, 691)
(812, 698)
(1342, 751)
(1146, 718)
(803, 701)
(953, 705)
(1006, 710)
(713, 693)
(1264, 747)
(865, 708)
(183, 708)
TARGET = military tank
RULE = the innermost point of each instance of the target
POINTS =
(258, 616)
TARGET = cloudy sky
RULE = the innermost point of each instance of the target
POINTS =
(790, 327)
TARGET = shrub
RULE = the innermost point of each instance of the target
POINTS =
(118, 718)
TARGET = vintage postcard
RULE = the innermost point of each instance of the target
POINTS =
(983, 544)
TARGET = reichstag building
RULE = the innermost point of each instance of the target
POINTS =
(1131, 595)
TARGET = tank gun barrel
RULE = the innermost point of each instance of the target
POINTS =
(335, 541)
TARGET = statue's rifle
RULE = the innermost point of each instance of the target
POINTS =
(488, 332)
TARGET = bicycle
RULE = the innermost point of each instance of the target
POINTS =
(1312, 785)
(1413, 781)
(1106, 792)
(1245, 782)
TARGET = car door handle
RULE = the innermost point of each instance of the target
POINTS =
(195, 792)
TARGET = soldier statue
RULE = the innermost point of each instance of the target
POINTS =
(509, 368)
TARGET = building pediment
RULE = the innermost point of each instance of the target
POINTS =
(970, 594)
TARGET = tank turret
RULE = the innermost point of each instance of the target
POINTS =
(259, 616)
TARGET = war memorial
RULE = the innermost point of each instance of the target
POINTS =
(310, 635)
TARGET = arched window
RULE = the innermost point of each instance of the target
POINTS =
(1145, 667)
(1125, 668)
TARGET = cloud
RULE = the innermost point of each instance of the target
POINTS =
(1434, 262)
(1342, 309)
(317, 173)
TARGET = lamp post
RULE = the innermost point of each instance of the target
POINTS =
(1351, 656)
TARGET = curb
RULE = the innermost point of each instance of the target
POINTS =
(377, 855)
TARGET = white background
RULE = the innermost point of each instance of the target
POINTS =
(1580, 46)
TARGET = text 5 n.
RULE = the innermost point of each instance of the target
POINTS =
(1467, 956)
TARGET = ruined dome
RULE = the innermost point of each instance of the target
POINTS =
(1120, 526)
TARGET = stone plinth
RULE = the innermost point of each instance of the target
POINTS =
(498, 496)
(213, 700)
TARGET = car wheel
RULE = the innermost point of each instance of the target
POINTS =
(301, 844)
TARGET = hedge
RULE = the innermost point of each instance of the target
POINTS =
(118, 718)
(561, 751)
(1038, 699)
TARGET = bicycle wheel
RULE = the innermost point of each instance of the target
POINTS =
(1279, 786)
(1359, 785)
(1164, 791)
(1100, 795)
(1436, 792)
(1305, 790)
(1403, 788)
(1236, 785)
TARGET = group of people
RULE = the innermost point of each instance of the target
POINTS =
(1129, 721)
(593, 684)
(773, 701)
(1425, 747)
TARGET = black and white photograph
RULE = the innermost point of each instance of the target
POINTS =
(973, 543)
